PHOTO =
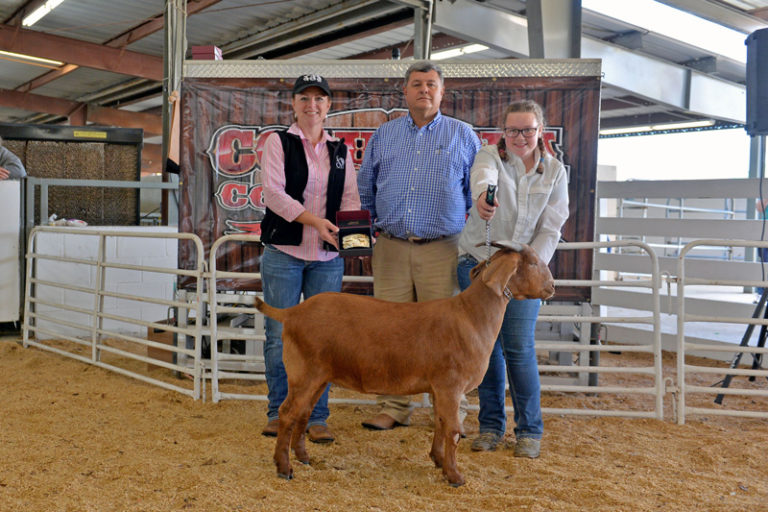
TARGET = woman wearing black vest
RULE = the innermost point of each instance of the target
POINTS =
(307, 177)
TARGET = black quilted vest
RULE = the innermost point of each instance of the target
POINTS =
(278, 231)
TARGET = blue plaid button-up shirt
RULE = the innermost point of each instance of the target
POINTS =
(415, 181)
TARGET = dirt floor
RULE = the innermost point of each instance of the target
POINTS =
(74, 437)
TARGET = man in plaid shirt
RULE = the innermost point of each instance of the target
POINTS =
(415, 182)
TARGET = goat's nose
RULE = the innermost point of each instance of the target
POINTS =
(549, 291)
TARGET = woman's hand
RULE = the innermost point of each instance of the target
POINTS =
(328, 231)
(485, 210)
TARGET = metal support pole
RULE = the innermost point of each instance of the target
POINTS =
(554, 29)
(422, 32)
(756, 170)
(175, 32)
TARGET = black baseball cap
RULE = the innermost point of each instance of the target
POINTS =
(311, 80)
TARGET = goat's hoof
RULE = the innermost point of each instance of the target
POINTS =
(456, 480)
(286, 476)
(304, 460)
(437, 460)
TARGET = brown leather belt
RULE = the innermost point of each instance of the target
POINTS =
(412, 239)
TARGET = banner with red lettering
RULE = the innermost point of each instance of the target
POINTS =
(225, 121)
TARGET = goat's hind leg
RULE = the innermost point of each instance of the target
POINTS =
(293, 414)
(286, 425)
(304, 396)
(298, 439)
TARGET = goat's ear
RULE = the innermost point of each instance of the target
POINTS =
(476, 270)
(500, 270)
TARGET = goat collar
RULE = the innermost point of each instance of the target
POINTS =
(507, 293)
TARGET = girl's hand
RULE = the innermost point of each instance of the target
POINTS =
(485, 210)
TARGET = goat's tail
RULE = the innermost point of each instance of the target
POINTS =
(276, 313)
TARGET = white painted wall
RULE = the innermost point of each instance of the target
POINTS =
(10, 222)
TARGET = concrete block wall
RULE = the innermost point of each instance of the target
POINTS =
(153, 252)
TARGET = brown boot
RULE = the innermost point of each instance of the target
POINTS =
(320, 434)
(382, 421)
(271, 429)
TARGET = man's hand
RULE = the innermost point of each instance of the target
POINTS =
(4, 173)
(485, 210)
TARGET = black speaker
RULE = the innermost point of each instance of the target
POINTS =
(757, 82)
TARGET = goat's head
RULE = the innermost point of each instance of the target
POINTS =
(517, 268)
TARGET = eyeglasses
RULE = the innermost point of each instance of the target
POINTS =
(514, 132)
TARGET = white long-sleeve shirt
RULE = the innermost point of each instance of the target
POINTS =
(532, 207)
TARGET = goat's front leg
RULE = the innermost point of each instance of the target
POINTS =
(447, 417)
(437, 452)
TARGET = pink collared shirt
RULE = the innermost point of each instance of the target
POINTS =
(315, 194)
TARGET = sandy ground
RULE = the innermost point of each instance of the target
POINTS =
(74, 437)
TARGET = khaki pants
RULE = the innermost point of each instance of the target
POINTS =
(407, 272)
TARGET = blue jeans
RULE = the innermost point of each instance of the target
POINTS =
(514, 348)
(284, 279)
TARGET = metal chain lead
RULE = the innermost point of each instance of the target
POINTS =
(488, 238)
(490, 196)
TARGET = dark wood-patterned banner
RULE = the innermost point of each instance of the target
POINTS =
(225, 122)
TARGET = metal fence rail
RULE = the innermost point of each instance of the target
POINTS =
(687, 370)
(656, 390)
(653, 371)
(217, 303)
(95, 336)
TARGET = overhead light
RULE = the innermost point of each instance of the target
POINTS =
(458, 52)
(29, 59)
(659, 127)
(682, 126)
(41, 11)
(631, 129)
(675, 24)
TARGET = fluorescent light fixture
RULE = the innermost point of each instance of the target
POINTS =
(682, 126)
(676, 24)
(458, 52)
(659, 127)
(631, 129)
(20, 57)
(41, 11)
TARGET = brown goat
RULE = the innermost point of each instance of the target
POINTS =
(373, 346)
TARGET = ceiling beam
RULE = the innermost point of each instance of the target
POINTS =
(347, 39)
(82, 53)
(657, 80)
(720, 13)
(150, 123)
(47, 77)
(440, 41)
(148, 27)
(319, 23)
(154, 24)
